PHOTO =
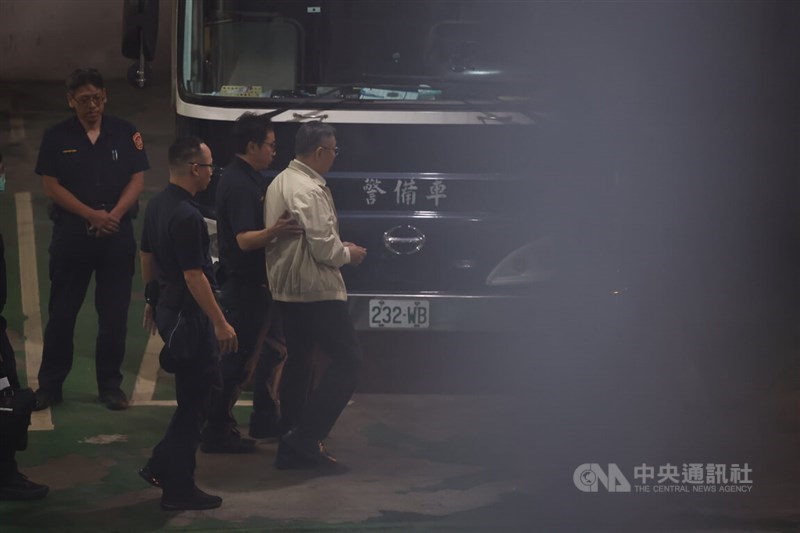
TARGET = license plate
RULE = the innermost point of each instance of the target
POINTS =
(400, 314)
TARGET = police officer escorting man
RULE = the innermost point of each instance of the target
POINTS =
(175, 258)
(245, 297)
(92, 167)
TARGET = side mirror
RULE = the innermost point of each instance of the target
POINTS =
(139, 35)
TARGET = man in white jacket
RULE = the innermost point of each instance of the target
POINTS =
(304, 279)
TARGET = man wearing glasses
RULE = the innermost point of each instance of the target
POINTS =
(245, 297)
(175, 257)
(92, 167)
(304, 278)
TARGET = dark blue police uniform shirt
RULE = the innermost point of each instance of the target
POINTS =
(95, 173)
(176, 234)
(240, 207)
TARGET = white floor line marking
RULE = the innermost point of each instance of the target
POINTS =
(173, 403)
(29, 285)
(147, 377)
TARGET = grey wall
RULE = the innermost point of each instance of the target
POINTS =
(46, 39)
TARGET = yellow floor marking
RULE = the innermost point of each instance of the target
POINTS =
(29, 284)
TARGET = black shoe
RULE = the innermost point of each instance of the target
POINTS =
(192, 500)
(233, 442)
(288, 459)
(146, 473)
(265, 427)
(115, 399)
(19, 487)
(294, 453)
(46, 398)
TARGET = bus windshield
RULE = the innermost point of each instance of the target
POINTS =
(360, 50)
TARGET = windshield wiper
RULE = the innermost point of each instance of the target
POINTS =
(310, 99)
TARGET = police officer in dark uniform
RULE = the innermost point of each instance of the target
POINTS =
(92, 167)
(175, 258)
(245, 296)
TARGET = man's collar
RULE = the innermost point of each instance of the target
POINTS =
(241, 161)
(305, 169)
(247, 168)
(79, 125)
(179, 189)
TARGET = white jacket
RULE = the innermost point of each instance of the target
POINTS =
(305, 269)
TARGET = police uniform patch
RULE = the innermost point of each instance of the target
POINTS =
(137, 141)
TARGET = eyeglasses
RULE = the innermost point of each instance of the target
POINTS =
(85, 100)
(335, 149)
(273, 145)
(212, 166)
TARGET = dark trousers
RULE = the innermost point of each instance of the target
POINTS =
(173, 459)
(74, 257)
(8, 466)
(245, 305)
(328, 325)
(8, 448)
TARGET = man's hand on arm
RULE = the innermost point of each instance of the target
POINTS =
(200, 289)
(284, 227)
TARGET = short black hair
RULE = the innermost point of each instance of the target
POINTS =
(84, 76)
(185, 150)
(310, 135)
(250, 127)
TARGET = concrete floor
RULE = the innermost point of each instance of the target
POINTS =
(419, 462)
